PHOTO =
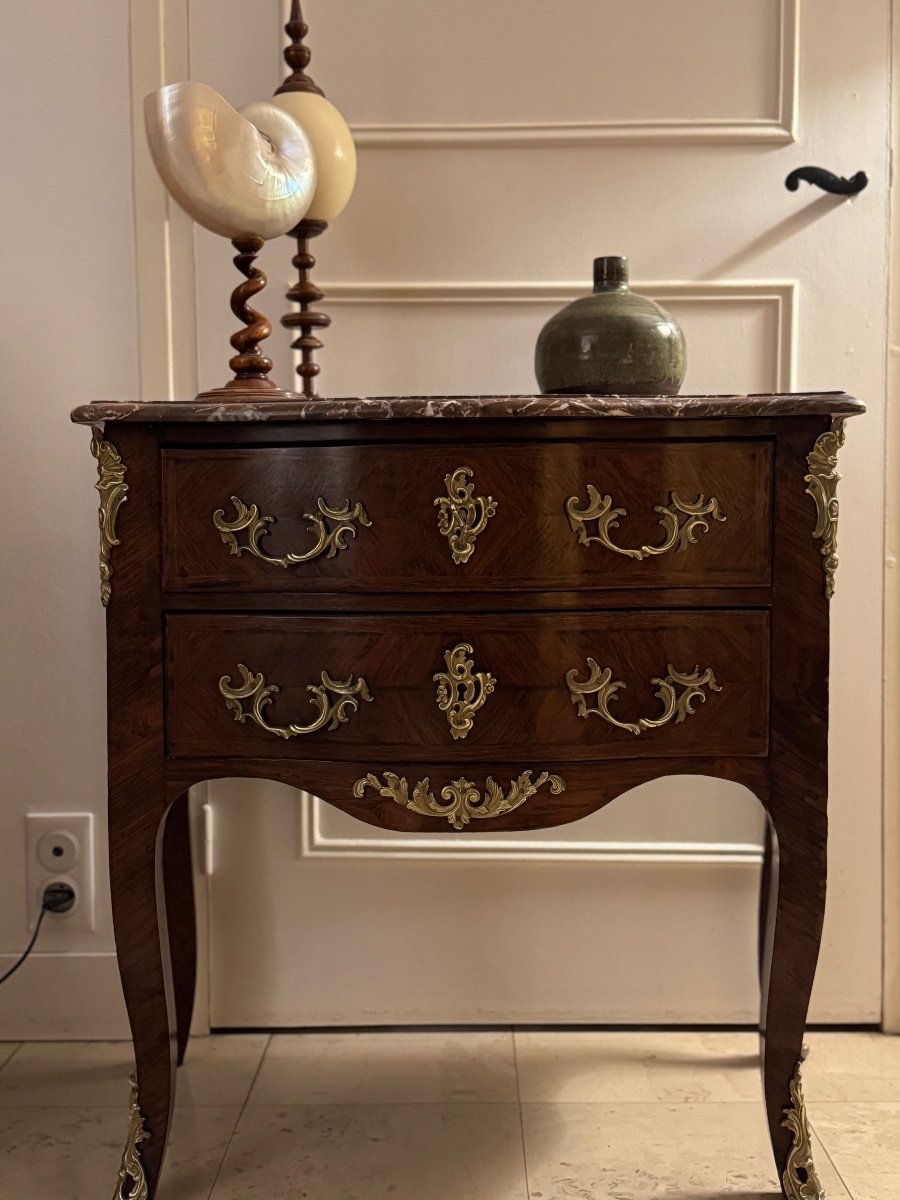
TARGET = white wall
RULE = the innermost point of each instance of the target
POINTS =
(69, 334)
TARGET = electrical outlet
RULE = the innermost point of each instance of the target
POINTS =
(60, 848)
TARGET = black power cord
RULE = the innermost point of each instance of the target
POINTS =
(57, 898)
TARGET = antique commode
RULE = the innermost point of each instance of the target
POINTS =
(453, 614)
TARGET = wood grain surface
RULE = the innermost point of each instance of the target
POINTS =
(528, 545)
(530, 710)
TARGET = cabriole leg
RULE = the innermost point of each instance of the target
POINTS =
(181, 916)
(136, 832)
(791, 951)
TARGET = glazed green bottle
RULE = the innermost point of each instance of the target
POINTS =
(613, 343)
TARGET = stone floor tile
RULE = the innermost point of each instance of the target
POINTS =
(635, 1151)
(367, 1152)
(863, 1142)
(218, 1070)
(596, 1068)
(7, 1050)
(852, 1067)
(73, 1153)
(387, 1068)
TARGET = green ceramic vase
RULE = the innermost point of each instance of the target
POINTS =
(613, 343)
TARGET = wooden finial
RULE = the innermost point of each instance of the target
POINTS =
(306, 293)
(297, 55)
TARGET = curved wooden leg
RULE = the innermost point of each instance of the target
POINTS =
(767, 899)
(136, 832)
(798, 870)
(181, 916)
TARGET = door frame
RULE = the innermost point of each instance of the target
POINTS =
(891, 735)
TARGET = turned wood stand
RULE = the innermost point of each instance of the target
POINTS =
(453, 614)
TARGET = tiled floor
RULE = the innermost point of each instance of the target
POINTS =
(466, 1116)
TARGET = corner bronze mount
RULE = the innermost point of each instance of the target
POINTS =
(822, 483)
(800, 1179)
(131, 1172)
(113, 493)
(465, 801)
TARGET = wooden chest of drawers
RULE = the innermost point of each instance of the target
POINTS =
(439, 613)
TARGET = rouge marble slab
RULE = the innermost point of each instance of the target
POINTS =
(386, 408)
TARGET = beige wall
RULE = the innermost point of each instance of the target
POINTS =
(69, 333)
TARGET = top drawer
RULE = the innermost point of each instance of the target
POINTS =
(493, 518)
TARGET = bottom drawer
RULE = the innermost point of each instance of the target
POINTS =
(443, 687)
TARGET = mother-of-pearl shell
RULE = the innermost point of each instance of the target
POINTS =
(239, 174)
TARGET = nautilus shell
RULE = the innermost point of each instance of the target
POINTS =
(333, 147)
(239, 174)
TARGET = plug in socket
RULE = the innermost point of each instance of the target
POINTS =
(60, 849)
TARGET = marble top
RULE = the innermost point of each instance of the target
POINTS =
(386, 408)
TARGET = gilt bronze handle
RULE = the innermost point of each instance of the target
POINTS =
(682, 522)
(676, 706)
(334, 700)
(330, 526)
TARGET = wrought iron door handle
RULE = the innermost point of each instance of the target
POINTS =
(837, 185)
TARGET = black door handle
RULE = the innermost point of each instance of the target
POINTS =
(828, 182)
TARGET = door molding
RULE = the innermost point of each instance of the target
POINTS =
(781, 295)
(779, 129)
(316, 844)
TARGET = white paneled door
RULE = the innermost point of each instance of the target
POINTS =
(505, 144)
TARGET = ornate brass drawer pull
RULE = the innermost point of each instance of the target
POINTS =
(464, 801)
(463, 516)
(328, 539)
(679, 533)
(675, 707)
(462, 691)
(335, 701)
